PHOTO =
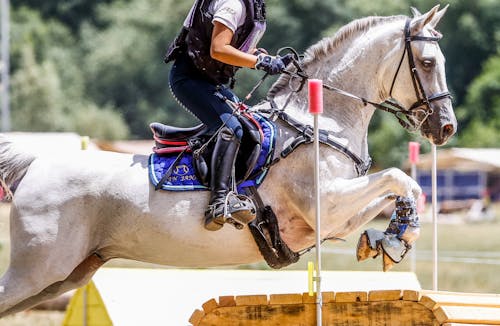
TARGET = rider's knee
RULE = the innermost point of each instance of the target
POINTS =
(235, 126)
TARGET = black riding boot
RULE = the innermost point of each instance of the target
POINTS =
(240, 209)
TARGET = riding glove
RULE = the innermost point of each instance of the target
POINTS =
(272, 65)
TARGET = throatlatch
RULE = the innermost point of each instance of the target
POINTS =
(396, 241)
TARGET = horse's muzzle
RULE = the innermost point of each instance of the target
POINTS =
(440, 126)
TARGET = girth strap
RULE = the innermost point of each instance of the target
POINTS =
(266, 233)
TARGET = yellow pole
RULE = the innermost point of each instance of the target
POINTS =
(85, 140)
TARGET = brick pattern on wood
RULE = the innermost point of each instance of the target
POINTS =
(394, 307)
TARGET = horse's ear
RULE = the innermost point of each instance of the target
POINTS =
(415, 12)
(419, 22)
(437, 17)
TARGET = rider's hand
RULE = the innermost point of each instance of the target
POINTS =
(272, 65)
(259, 51)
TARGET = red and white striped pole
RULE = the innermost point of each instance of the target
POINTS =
(414, 152)
(316, 108)
(434, 220)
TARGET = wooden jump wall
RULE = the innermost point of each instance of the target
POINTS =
(381, 307)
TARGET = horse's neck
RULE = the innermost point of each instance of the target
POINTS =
(360, 61)
(346, 119)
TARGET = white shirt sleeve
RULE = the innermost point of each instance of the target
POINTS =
(231, 13)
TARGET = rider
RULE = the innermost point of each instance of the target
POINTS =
(217, 38)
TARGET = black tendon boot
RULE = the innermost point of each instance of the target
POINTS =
(240, 209)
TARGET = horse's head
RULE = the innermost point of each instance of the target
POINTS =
(420, 84)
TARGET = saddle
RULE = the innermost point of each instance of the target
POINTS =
(182, 155)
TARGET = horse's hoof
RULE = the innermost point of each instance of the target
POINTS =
(364, 250)
(388, 263)
(213, 224)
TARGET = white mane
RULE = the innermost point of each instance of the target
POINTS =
(328, 45)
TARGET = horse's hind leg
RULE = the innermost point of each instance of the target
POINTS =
(45, 250)
(79, 277)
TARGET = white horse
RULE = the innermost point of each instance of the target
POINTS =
(72, 213)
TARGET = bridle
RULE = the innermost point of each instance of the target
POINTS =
(406, 117)
(423, 101)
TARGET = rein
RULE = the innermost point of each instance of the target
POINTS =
(405, 116)
(422, 98)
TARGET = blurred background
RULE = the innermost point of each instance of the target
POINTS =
(96, 68)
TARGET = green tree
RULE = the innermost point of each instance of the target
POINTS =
(71, 13)
(481, 112)
(124, 64)
(97, 122)
(300, 24)
(47, 83)
(471, 32)
(108, 54)
(481, 134)
(36, 96)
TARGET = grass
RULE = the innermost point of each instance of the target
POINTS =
(474, 240)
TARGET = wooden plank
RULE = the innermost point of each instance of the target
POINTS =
(328, 297)
(394, 313)
(411, 295)
(433, 300)
(259, 315)
(428, 302)
(227, 301)
(209, 306)
(251, 300)
(359, 296)
(385, 295)
(306, 298)
(468, 314)
(285, 299)
(196, 317)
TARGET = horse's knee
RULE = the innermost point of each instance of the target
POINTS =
(402, 184)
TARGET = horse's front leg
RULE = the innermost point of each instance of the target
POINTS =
(367, 196)
(396, 241)
(404, 228)
(364, 216)
(344, 199)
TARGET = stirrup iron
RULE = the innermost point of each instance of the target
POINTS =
(238, 210)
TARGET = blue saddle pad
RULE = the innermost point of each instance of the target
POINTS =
(183, 176)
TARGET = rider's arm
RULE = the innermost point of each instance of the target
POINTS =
(222, 50)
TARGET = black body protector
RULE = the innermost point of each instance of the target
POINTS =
(195, 39)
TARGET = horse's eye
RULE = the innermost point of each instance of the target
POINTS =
(428, 63)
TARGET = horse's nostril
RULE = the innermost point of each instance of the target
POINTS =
(447, 130)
